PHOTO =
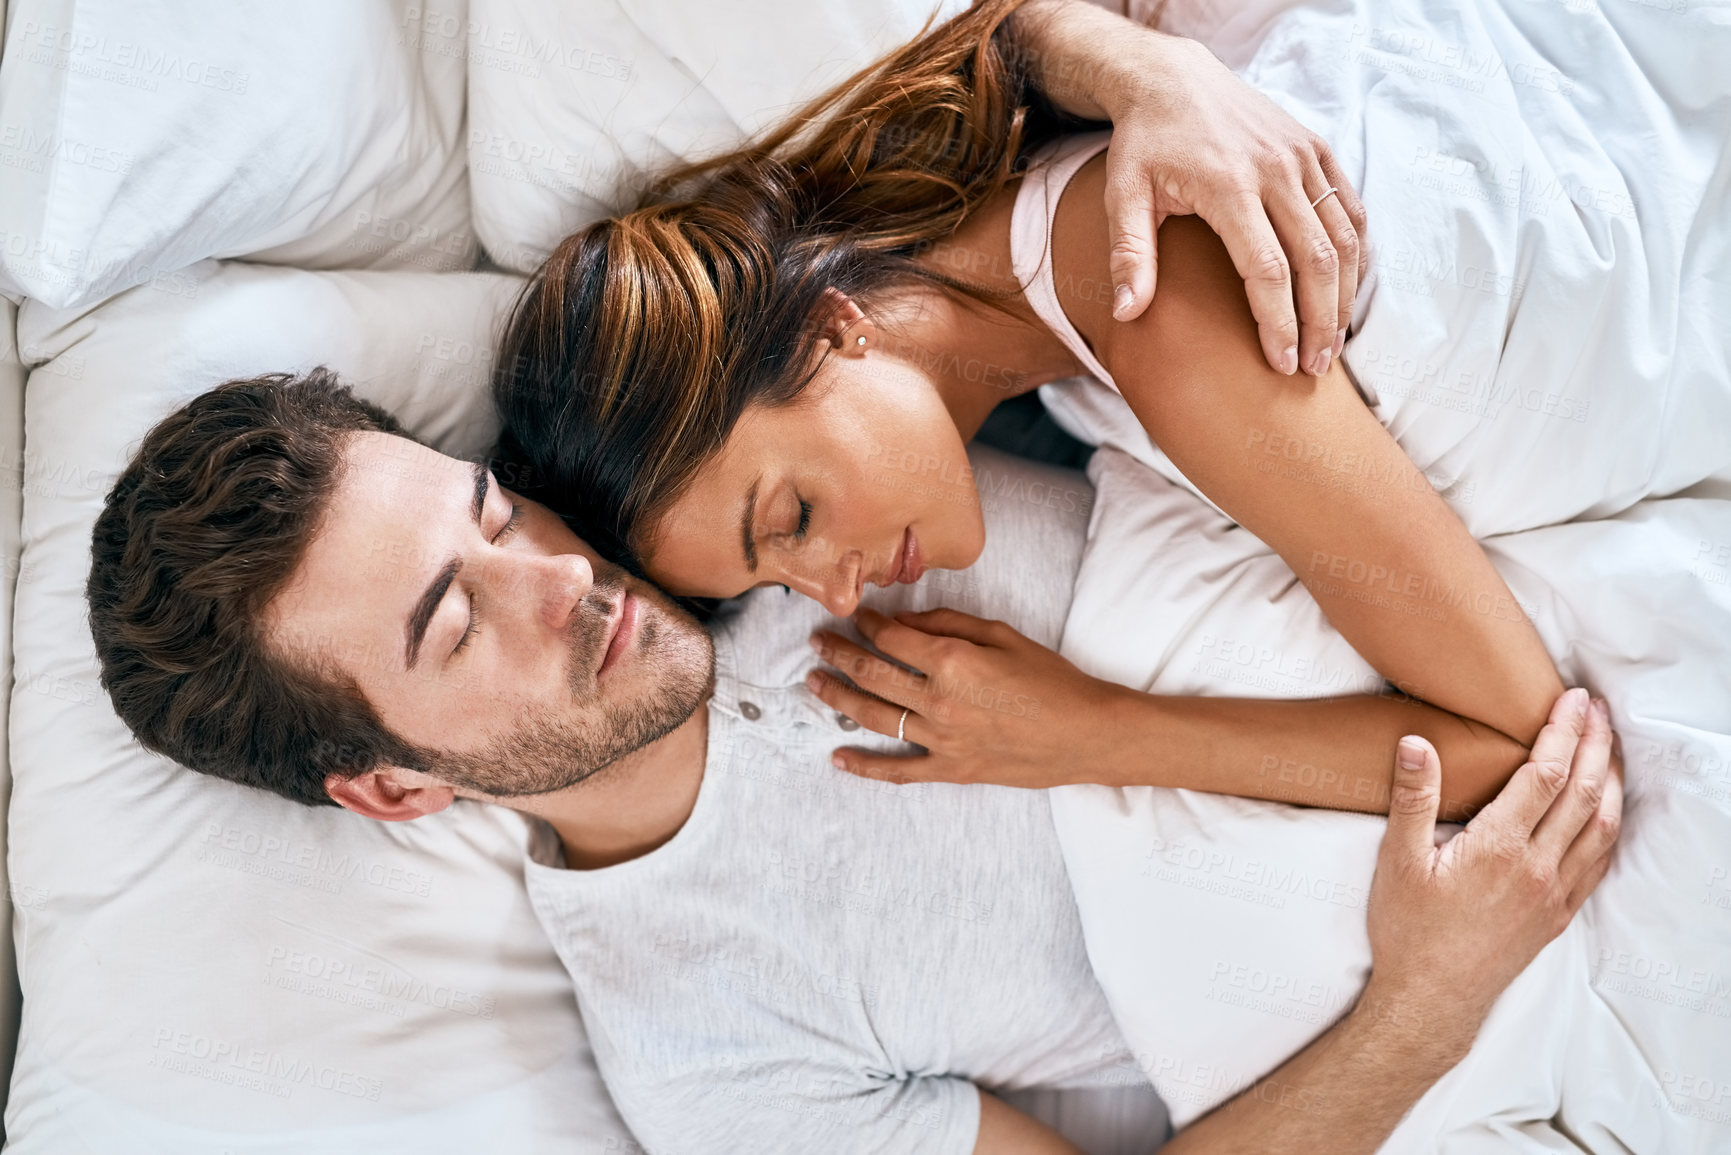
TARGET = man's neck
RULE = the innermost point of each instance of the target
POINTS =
(633, 806)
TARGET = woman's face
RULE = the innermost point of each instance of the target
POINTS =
(861, 479)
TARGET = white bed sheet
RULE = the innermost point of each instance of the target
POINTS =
(1228, 932)
(1544, 332)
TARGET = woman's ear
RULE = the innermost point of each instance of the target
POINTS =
(389, 794)
(845, 325)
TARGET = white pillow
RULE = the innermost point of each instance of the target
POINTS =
(573, 109)
(210, 968)
(141, 136)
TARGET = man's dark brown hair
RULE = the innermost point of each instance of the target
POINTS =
(200, 532)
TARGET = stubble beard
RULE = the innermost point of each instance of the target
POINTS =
(676, 665)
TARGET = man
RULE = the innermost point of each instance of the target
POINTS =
(770, 955)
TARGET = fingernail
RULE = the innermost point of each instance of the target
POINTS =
(1411, 754)
(1289, 360)
(814, 681)
(1322, 360)
(1339, 341)
(838, 761)
(816, 644)
(1121, 298)
(1603, 709)
(1578, 702)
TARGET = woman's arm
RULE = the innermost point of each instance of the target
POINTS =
(1307, 468)
(990, 705)
(1331, 752)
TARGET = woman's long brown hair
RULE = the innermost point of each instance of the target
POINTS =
(643, 338)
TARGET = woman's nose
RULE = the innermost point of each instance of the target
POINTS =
(840, 600)
(835, 585)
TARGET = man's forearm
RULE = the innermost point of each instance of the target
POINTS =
(1332, 752)
(1078, 55)
(1342, 1094)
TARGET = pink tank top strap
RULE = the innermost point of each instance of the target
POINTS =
(1031, 236)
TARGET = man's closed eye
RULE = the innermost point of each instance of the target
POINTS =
(504, 534)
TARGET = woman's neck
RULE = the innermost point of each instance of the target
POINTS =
(975, 356)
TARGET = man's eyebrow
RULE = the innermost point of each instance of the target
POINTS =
(483, 478)
(745, 519)
(430, 599)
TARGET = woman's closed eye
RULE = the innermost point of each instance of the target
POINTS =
(504, 534)
(804, 522)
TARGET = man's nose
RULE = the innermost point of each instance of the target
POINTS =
(555, 584)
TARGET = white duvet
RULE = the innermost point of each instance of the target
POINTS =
(1546, 334)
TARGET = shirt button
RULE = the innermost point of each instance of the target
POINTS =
(845, 722)
(750, 711)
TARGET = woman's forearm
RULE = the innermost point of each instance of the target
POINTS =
(1331, 752)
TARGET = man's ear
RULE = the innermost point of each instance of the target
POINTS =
(389, 794)
(845, 325)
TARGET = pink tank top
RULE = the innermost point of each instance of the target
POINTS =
(1031, 236)
(1096, 415)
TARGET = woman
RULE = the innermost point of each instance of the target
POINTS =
(724, 390)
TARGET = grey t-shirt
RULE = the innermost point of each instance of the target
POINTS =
(821, 963)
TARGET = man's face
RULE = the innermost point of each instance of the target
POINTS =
(481, 629)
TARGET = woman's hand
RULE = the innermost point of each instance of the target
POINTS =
(988, 704)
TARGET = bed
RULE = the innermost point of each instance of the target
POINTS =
(189, 196)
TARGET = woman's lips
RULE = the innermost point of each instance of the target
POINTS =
(893, 574)
(624, 633)
(907, 565)
(911, 565)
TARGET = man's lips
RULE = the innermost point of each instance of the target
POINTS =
(621, 632)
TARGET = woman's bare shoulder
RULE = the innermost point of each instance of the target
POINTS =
(1198, 294)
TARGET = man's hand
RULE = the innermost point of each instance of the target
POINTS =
(1452, 925)
(1190, 137)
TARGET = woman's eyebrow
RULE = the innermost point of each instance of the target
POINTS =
(745, 521)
